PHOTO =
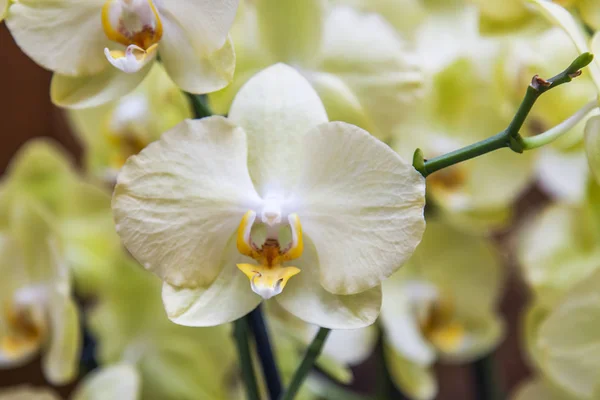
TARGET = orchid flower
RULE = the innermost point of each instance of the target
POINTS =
(113, 132)
(37, 312)
(441, 306)
(561, 17)
(560, 247)
(564, 342)
(78, 211)
(475, 195)
(79, 40)
(273, 184)
(364, 72)
(166, 361)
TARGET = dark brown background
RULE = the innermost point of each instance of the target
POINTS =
(26, 112)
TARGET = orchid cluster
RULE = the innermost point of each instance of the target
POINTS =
(261, 177)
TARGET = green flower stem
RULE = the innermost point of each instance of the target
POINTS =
(509, 137)
(551, 135)
(199, 105)
(241, 334)
(313, 351)
(259, 329)
(487, 385)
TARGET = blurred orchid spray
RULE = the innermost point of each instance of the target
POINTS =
(269, 163)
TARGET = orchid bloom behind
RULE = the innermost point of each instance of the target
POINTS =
(113, 132)
(101, 50)
(273, 184)
(441, 306)
(561, 17)
(364, 72)
(37, 312)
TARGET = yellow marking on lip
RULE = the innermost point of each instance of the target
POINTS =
(144, 38)
(24, 334)
(269, 277)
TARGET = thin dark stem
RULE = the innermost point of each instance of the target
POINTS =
(487, 386)
(265, 352)
(199, 105)
(241, 335)
(509, 137)
(386, 390)
(313, 351)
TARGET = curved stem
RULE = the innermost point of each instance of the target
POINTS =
(313, 351)
(554, 133)
(199, 105)
(509, 137)
(265, 352)
(241, 334)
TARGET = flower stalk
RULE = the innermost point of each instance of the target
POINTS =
(241, 335)
(265, 352)
(312, 352)
(510, 137)
(199, 105)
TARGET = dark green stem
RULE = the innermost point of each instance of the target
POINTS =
(487, 386)
(199, 105)
(264, 349)
(313, 351)
(509, 137)
(241, 334)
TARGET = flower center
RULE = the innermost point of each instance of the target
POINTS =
(269, 277)
(440, 327)
(127, 131)
(135, 24)
(25, 330)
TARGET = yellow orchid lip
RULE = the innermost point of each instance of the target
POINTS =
(135, 24)
(269, 277)
(25, 332)
(132, 22)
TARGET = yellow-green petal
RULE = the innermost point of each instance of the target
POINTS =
(290, 39)
(120, 381)
(592, 146)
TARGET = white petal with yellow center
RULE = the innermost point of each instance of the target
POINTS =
(179, 202)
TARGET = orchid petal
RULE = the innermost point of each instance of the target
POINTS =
(414, 379)
(61, 360)
(291, 29)
(120, 381)
(360, 203)
(277, 107)
(177, 203)
(205, 22)
(228, 298)
(365, 52)
(307, 300)
(65, 36)
(94, 90)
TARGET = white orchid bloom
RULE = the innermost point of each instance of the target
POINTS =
(274, 165)
(364, 72)
(79, 40)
